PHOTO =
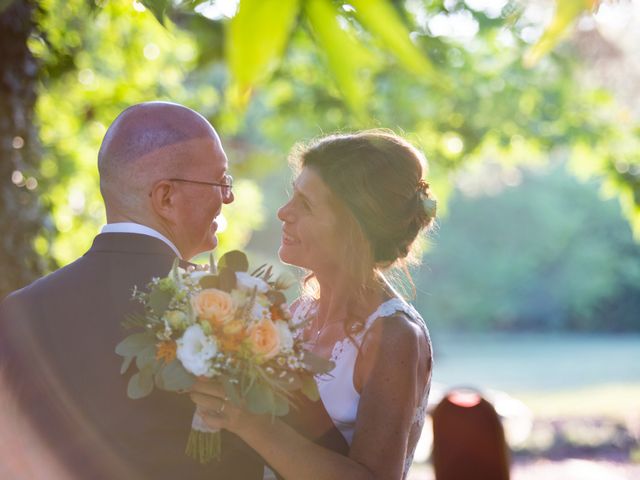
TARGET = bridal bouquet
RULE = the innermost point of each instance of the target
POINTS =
(224, 324)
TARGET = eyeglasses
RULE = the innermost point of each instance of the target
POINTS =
(225, 186)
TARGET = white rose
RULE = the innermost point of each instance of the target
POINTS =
(196, 275)
(195, 351)
(286, 338)
(247, 282)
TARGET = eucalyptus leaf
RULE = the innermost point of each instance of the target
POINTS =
(158, 378)
(316, 363)
(235, 260)
(290, 382)
(260, 399)
(209, 281)
(134, 344)
(159, 300)
(125, 364)
(146, 358)
(140, 385)
(175, 377)
(310, 388)
(281, 406)
(227, 279)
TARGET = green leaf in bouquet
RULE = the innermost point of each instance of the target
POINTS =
(281, 405)
(260, 270)
(290, 382)
(209, 281)
(135, 343)
(140, 384)
(235, 260)
(213, 267)
(260, 399)
(317, 364)
(231, 390)
(310, 388)
(227, 279)
(157, 378)
(125, 364)
(134, 320)
(159, 300)
(175, 377)
(146, 358)
(175, 273)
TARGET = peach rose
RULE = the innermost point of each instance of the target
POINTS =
(264, 339)
(213, 305)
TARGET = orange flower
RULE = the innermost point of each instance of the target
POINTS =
(166, 351)
(264, 339)
(231, 343)
(213, 305)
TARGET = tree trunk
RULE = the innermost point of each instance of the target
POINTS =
(22, 216)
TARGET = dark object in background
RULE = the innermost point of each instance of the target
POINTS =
(468, 439)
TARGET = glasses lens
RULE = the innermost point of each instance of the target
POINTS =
(226, 190)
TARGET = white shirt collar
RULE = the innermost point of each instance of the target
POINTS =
(130, 227)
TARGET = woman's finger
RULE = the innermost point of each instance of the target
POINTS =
(208, 402)
(208, 387)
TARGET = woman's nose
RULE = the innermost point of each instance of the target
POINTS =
(284, 213)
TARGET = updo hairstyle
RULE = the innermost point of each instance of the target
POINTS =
(377, 175)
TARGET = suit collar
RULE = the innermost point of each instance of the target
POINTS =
(133, 243)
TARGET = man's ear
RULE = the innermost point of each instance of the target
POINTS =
(163, 199)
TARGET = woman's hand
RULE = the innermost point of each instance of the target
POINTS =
(215, 408)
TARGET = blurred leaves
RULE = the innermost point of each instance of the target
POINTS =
(4, 4)
(254, 46)
(158, 8)
(381, 19)
(566, 14)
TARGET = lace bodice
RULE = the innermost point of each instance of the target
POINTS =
(337, 389)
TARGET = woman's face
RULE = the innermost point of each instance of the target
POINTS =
(311, 234)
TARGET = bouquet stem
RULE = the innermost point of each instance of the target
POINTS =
(204, 446)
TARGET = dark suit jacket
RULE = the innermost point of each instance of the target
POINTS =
(57, 340)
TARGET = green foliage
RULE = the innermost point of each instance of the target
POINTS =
(236, 260)
(254, 46)
(86, 83)
(548, 255)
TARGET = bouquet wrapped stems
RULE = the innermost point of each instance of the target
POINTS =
(204, 444)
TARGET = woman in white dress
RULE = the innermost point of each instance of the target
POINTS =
(359, 203)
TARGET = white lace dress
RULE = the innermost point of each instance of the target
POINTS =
(337, 391)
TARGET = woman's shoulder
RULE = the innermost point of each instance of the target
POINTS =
(397, 323)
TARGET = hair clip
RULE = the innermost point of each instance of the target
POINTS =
(430, 205)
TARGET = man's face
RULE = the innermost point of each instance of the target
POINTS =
(197, 205)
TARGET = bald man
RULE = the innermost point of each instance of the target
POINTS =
(163, 177)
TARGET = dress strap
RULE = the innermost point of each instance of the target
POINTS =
(387, 309)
